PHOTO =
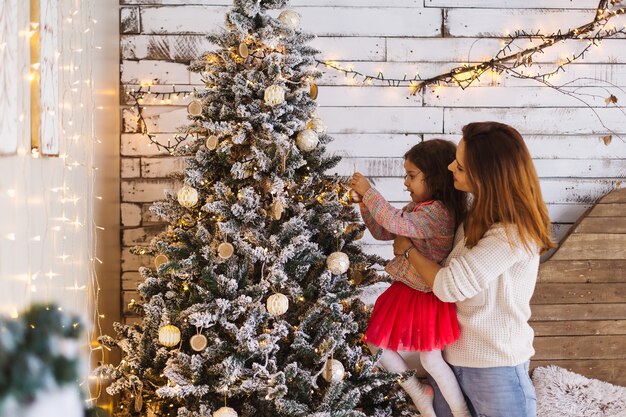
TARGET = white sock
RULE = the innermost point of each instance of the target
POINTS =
(434, 364)
(421, 394)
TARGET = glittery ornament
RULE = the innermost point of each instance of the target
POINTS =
(277, 304)
(169, 335)
(274, 95)
(333, 370)
(338, 263)
(290, 18)
(225, 412)
(194, 108)
(187, 196)
(317, 125)
(307, 140)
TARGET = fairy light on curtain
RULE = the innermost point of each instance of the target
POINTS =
(48, 236)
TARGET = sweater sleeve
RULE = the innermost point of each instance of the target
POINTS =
(424, 223)
(471, 273)
(377, 231)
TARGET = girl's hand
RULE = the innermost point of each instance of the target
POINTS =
(400, 244)
(359, 183)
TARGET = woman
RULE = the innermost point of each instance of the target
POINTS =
(491, 271)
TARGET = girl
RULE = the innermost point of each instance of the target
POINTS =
(410, 317)
(491, 271)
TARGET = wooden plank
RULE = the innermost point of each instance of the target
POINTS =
(465, 22)
(321, 21)
(592, 246)
(49, 132)
(559, 293)
(473, 50)
(610, 370)
(135, 191)
(157, 72)
(607, 225)
(9, 76)
(512, 4)
(608, 210)
(580, 347)
(528, 96)
(418, 4)
(372, 144)
(140, 235)
(617, 196)
(572, 120)
(130, 281)
(595, 271)
(550, 312)
(579, 327)
(161, 167)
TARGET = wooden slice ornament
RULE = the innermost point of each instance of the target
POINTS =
(198, 342)
(160, 260)
(277, 210)
(195, 108)
(211, 142)
(243, 50)
(313, 90)
(225, 250)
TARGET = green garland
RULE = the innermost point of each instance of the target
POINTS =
(38, 351)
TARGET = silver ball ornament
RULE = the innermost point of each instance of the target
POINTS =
(225, 412)
(307, 140)
(333, 370)
(290, 18)
(338, 263)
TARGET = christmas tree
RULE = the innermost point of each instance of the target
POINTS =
(253, 308)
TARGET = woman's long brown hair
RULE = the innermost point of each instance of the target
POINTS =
(505, 185)
(432, 157)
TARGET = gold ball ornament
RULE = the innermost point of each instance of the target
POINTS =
(194, 108)
(277, 304)
(274, 95)
(307, 140)
(187, 196)
(317, 125)
(355, 197)
(160, 260)
(198, 342)
(225, 412)
(225, 250)
(338, 263)
(169, 335)
(211, 142)
(333, 370)
(290, 18)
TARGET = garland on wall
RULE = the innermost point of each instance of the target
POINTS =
(505, 61)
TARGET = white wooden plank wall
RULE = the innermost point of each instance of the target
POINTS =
(373, 125)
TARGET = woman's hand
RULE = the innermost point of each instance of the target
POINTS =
(359, 183)
(400, 244)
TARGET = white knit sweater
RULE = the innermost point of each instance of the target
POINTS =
(492, 284)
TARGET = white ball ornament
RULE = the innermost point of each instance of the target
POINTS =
(317, 125)
(290, 18)
(307, 140)
(277, 304)
(169, 335)
(338, 263)
(274, 95)
(187, 196)
(225, 412)
(333, 370)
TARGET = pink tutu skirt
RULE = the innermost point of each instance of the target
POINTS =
(407, 319)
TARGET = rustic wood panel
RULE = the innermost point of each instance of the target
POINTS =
(609, 370)
(511, 4)
(580, 347)
(353, 3)
(598, 225)
(583, 271)
(592, 246)
(617, 196)
(563, 312)
(608, 210)
(557, 293)
(579, 327)
(49, 130)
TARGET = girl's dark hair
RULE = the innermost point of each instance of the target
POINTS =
(432, 157)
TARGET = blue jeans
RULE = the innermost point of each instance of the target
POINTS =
(504, 391)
